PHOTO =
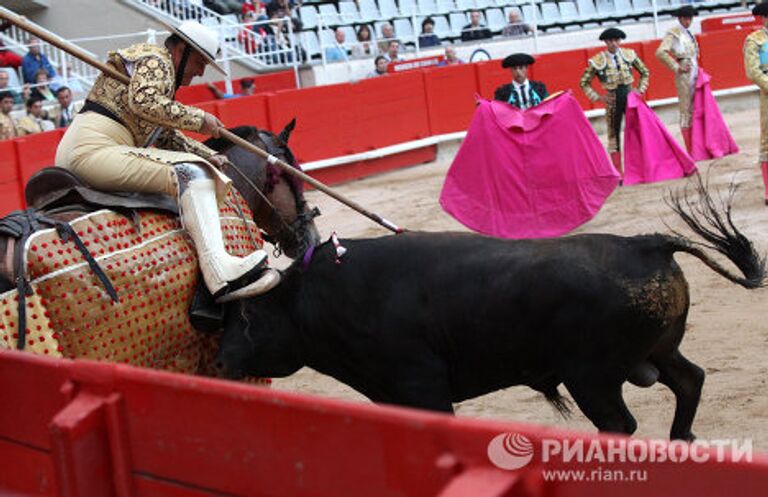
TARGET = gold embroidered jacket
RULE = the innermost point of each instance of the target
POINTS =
(677, 44)
(756, 58)
(148, 101)
(7, 127)
(610, 77)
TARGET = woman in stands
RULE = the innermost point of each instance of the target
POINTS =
(41, 89)
(364, 46)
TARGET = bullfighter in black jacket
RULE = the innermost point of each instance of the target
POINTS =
(521, 92)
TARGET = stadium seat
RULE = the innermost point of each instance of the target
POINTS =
(308, 15)
(329, 15)
(484, 4)
(587, 11)
(568, 12)
(350, 36)
(388, 9)
(327, 39)
(369, 11)
(496, 20)
(643, 6)
(445, 6)
(457, 20)
(427, 7)
(404, 29)
(530, 14)
(624, 9)
(465, 4)
(605, 8)
(348, 12)
(310, 43)
(550, 14)
(408, 8)
(442, 28)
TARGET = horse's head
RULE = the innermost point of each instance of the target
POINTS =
(275, 197)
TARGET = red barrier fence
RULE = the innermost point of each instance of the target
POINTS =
(85, 429)
(744, 20)
(349, 118)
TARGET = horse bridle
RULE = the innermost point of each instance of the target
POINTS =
(302, 218)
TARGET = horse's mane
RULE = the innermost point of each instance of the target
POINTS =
(222, 144)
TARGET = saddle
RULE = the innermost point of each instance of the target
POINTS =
(56, 196)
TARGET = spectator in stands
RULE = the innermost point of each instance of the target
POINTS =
(757, 72)
(41, 88)
(521, 92)
(338, 51)
(251, 36)
(679, 51)
(277, 39)
(613, 67)
(7, 126)
(247, 88)
(475, 30)
(35, 121)
(67, 108)
(223, 7)
(451, 59)
(364, 46)
(393, 51)
(516, 28)
(34, 61)
(8, 58)
(387, 35)
(428, 38)
(254, 6)
(18, 98)
(380, 68)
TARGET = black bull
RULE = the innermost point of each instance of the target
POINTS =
(429, 319)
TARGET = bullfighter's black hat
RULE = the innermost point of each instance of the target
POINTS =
(685, 11)
(517, 60)
(613, 34)
(760, 9)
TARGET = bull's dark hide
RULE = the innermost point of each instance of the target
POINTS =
(429, 319)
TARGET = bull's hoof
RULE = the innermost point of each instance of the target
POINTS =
(685, 437)
(643, 375)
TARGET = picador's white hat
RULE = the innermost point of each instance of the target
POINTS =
(202, 39)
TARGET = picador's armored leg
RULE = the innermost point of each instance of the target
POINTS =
(223, 273)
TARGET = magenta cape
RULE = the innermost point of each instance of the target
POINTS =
(709, 134)
(528, 174)
(650, 152)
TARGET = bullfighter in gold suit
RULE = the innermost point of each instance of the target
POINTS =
(107, 146)
(613, 68)
(756, 65)
(679, 51)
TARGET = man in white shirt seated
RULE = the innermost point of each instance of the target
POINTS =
(521, 92)
(337, 52)
(34, 121)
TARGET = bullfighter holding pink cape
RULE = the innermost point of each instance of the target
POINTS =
(528, 174)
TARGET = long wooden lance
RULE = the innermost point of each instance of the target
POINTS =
(223, 132)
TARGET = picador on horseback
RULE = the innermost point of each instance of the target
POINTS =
(107, 147)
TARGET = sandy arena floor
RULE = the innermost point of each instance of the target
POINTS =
(727, 327)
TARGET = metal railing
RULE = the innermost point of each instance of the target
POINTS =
(71, 72)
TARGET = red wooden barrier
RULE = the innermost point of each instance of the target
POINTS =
(78, 428)
(35, 152)
(490, 75)
(662, 79)
(265, 83)
(722, 55)
(323, 119)
(244, 111)
(562, 71)
(450, 95)
(386, 111)
(743, 20)
(10, 193)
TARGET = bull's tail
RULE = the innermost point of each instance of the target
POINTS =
(560, 403)
(712, 221)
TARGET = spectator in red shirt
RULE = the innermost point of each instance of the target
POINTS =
(8, 58)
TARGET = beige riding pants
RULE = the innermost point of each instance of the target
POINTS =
(102, 153)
